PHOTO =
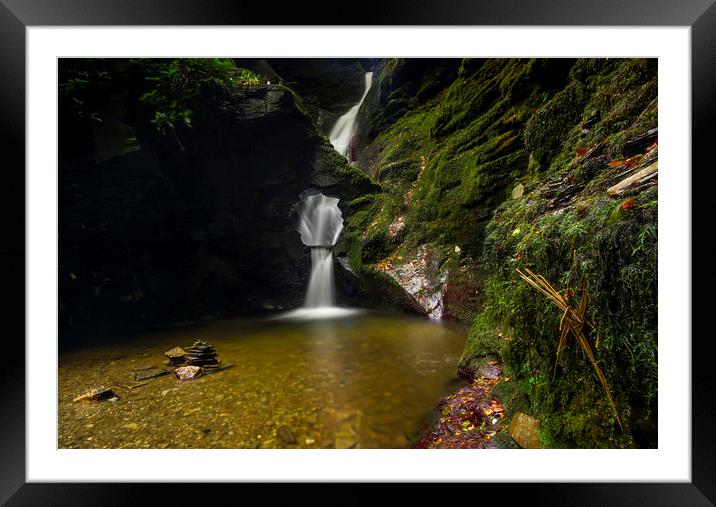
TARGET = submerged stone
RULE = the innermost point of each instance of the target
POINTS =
(144, 368)
(285, 433)
(152, 374)
(345, 438)
(188, 372)
(96, 395)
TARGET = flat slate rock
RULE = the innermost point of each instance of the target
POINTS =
(144, 368)
(153, 374)
(128, 384)
(208, 355)
(209, 369)
(175, 352)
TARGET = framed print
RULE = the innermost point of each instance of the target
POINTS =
(416, 247)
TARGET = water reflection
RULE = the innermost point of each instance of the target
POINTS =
(361, 380)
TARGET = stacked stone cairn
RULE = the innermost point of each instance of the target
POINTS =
(202, 354)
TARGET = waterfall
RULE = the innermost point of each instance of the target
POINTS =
(319, 219)
(320, 291)
(320, 222)
(342, 133)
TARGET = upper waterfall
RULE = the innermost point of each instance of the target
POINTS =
(342, 133)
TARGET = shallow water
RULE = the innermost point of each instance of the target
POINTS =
(363, 380)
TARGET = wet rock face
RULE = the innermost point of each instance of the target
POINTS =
(366, 290)
(328, 86)
(422, 277)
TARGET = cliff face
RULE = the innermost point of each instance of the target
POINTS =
(490, 165)
(192, 221)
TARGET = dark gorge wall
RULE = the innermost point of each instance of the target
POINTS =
(164, 220)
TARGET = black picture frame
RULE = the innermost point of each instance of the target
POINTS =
(16, 15)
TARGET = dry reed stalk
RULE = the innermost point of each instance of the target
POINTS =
(572, 320)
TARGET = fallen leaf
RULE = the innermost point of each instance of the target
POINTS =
(632, 161)
(628, 204)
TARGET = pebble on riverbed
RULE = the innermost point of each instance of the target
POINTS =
(285, 433)
(96, 395)
(188, 372)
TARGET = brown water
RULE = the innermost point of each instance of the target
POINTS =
(367, 380)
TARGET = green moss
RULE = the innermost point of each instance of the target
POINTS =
(616, 259)
(469, 140)
(296, 99)
(483, 341)
(331, 168)
(547, 128)
(503, 440)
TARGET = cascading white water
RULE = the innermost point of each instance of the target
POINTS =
(320, 291)
(320, 222)
(319, 219)
(343, 131)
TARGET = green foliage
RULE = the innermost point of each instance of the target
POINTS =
(170, 86)
(176, 84)
(81, 84)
